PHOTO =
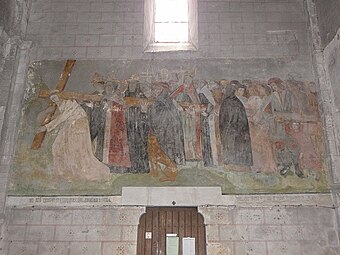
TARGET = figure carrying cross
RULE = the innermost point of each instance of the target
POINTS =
(73, 157)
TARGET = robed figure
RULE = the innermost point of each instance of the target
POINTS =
(166, 125)
(190, 115)
(73, 157)
(117, 149)
(166, 140)
(234, 130)
(206, 131)
(137, 132)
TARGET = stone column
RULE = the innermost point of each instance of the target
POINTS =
(11, 116)
(324, 60)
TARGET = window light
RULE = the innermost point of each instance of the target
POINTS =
(171, 21)
(170, 25)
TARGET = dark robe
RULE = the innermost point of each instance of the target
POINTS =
(166, 126)
(97, 120)
(205, 133)
(234, 130)
(137, 133)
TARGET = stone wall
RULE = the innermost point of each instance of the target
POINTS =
(13, 23)
(72, 231)
(325, 61)
(332, 65)
(114, 29)
(14, 16)
(2, 12)
(275, 230)
(10, 111)
(328, 19)
(230, 230)
(6, 8)
(328, 69)
(2, 114)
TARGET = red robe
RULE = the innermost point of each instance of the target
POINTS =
(118, 146)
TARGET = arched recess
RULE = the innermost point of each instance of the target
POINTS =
(160, 221)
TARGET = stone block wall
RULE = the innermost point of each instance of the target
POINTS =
(5, 81)
(5, 71)
(325, 31)
(331, 61)
(2, 116)
(72, 231)
(271, 230)
(106, 29)
(230, 231)
(328, 19)
(12, 92)
(6, 13)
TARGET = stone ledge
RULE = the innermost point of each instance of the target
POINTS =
(174, 196)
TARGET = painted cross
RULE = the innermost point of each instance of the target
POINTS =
(39, 137)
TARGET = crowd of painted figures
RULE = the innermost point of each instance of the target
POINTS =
(155, 126)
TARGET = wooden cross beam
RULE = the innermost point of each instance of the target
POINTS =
(39, 137)
(71, 96)
(129, 101)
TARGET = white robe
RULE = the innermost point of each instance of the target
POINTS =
(73, 158)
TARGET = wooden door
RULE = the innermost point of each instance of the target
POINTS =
(159, 221)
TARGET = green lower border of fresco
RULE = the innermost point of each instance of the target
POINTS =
(230, 183)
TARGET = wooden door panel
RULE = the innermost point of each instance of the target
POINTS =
(162, 232)
(148, 228)
(188, 224)
(159, 221)
(181, 232)
(155, 233)
(169, 222)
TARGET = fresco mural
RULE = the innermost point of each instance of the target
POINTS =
(169, 128)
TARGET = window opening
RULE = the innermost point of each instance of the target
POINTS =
(171, 21)
(170, 25)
